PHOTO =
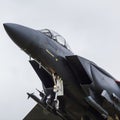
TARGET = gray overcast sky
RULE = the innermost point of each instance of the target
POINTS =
(91, 27)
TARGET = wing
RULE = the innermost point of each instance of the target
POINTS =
(86, 68)
(90, 72)
(40, 113)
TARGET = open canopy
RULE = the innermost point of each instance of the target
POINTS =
(55, 36)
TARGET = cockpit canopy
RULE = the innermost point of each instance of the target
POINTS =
(56, 37)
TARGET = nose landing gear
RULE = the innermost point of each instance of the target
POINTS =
(57, 89)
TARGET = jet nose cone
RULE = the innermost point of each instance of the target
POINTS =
(21, 35)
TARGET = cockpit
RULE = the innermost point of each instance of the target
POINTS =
(56, 37)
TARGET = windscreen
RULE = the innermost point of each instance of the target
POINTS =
(56, 37)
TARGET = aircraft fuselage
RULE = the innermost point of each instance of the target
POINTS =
(52, 56)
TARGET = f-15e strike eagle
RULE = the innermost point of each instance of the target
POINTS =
(74, 87)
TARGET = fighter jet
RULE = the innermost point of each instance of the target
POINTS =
(74, 88)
